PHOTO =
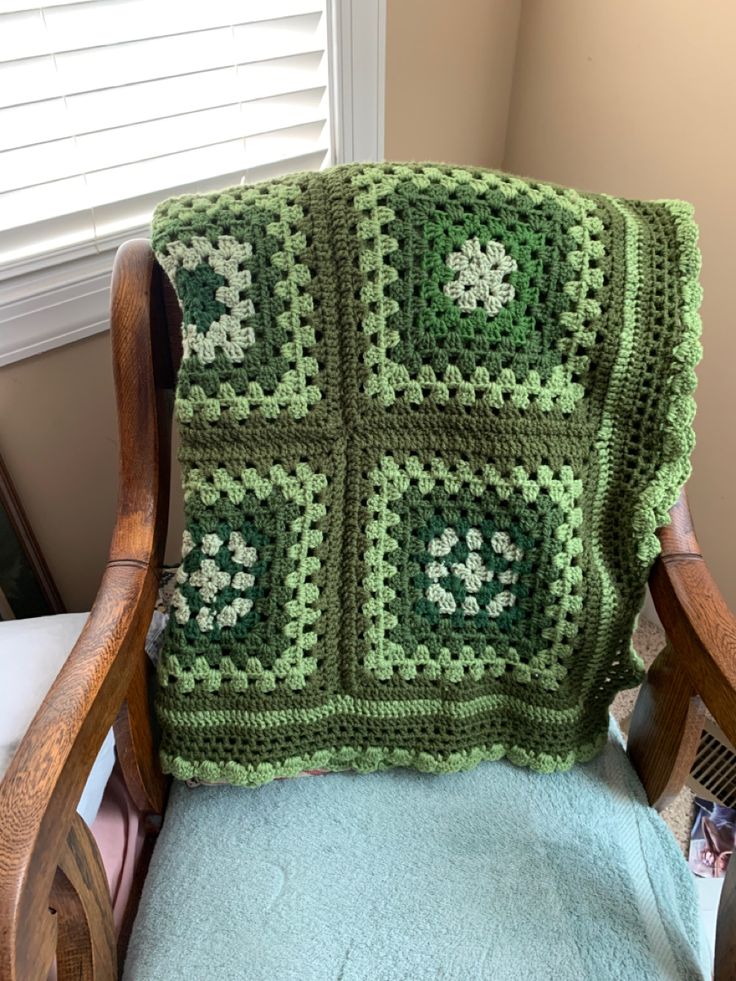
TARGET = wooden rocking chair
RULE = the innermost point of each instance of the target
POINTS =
(54, 899)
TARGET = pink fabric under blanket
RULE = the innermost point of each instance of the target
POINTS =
(118, 831)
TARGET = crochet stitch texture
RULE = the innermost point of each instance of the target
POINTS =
(431, 418)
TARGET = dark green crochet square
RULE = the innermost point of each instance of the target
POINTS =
(469, 574)
(525, 333)
(251, 312)
(469, 566)
(255, 580)
(214, 613)
(478, 289)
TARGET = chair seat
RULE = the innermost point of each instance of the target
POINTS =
(494, 873)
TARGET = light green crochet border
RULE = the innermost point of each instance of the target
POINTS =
(678, 436)
(375, 758)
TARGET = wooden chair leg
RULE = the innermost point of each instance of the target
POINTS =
(80, 897)
(665, 729)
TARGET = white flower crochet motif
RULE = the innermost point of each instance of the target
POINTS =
(479, 276)
(210, 580)
(232, 333)
(473, 572)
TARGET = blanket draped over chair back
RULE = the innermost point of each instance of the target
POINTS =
(431, 418)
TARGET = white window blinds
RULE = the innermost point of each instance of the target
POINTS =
(109, 106)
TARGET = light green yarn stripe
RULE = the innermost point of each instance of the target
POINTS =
(347, 705)
(678, 437)
(294, 389)
(611, 408)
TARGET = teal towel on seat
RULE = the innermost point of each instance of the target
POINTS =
(493, 874)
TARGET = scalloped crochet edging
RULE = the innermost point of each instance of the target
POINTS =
(375, 758)
(678, 435)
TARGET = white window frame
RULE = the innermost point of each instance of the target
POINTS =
(67, 298)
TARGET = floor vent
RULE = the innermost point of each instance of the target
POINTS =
(713, 773)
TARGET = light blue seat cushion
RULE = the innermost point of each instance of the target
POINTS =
(497, 873)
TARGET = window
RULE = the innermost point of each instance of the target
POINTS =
(109, 106)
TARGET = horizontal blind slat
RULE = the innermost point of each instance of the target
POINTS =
(176, 133)
(23, 35)
(40, 28)
(45, 120)
(49, 200)
(189, 165)
(90, 112)
(115, 221)
(15, 6)
(27, 36)
(33, 165)
(125, 102)
(93, 69)
(120, 21)
(252, 11)
(22, 82)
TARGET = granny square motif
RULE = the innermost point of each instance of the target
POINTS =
(431, 418)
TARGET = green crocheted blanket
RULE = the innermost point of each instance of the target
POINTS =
(430, 420)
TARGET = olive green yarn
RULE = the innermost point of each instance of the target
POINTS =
(431, 418)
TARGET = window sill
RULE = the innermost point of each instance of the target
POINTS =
(44, 308)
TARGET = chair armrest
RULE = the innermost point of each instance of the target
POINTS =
(697, 666)
(42, 786)
(702, 646)
(698, 623)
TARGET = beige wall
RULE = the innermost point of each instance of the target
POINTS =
(58, 438)
(448, 79)
(59, 442)
(639, 99)
(618, 95)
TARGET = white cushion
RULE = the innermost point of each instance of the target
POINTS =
(31, 654)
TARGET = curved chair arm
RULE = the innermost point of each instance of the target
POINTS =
(697, 668)
(699, 624)
(41, 857)
(702, 632)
